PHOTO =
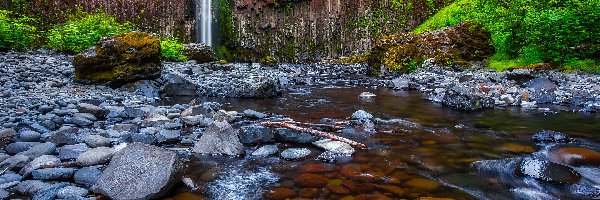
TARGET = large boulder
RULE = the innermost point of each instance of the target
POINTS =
(175, 85)
(199, 52)
(120, 59)
(458, 44)
(219, 138)
(140, 171)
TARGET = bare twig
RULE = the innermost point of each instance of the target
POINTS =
(335, 127)
(61, 164)
(293, 126)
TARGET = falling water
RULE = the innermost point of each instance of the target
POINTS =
(204, 21)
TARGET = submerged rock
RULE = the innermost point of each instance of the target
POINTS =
(219, 138)
(140, 171)
(550, 136)
(576, 156)
(547, 171)
(119, 60)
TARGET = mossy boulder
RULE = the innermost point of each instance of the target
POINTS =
(452, 45)
(199, 52)
(119, 60)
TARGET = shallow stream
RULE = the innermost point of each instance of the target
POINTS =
(431, 158)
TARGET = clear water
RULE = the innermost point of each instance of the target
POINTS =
(430, 159)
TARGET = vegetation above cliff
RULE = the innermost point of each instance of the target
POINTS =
(563, 33)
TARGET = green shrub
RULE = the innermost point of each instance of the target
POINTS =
(15, 32)
(172, 49)
(528, 31)
(83, 30)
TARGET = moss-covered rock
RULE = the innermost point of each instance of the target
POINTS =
(199, 52)
(119, 60)
(455, 45)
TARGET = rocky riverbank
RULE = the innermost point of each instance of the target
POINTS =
(62, 139)
(479, 88)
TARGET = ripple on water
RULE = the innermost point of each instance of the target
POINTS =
(242, 181)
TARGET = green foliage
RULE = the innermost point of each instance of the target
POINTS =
(16, 32)
(527, 31)
(83, 30)
(172, 50)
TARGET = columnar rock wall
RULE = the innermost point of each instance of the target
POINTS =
(167, 17)
(312, 30)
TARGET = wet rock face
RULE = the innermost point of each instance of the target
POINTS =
(199, 52)
(119, 60)
(308, 31)
(140, 171)
(547, 171)
(576, 156)
(459, 44)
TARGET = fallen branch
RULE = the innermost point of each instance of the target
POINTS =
(335, 127)
(61, 164)
(293, 126)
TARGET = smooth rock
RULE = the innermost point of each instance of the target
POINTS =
(53, 173)
(96, 156)
(547, 171)
(140, 171)
(30, 136)
(65, 135)
(367, 95)
(295, 153)
(308, 180)
(96, 141)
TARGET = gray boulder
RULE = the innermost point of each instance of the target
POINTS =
(175, 85)
(140, 171)
(295, 153)
(219, 138)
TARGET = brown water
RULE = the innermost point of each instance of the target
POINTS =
(430, 160)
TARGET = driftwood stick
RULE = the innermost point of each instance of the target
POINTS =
(61, 164)
(315, 125)
(315, 132)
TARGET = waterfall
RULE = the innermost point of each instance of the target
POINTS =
(204, 20)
